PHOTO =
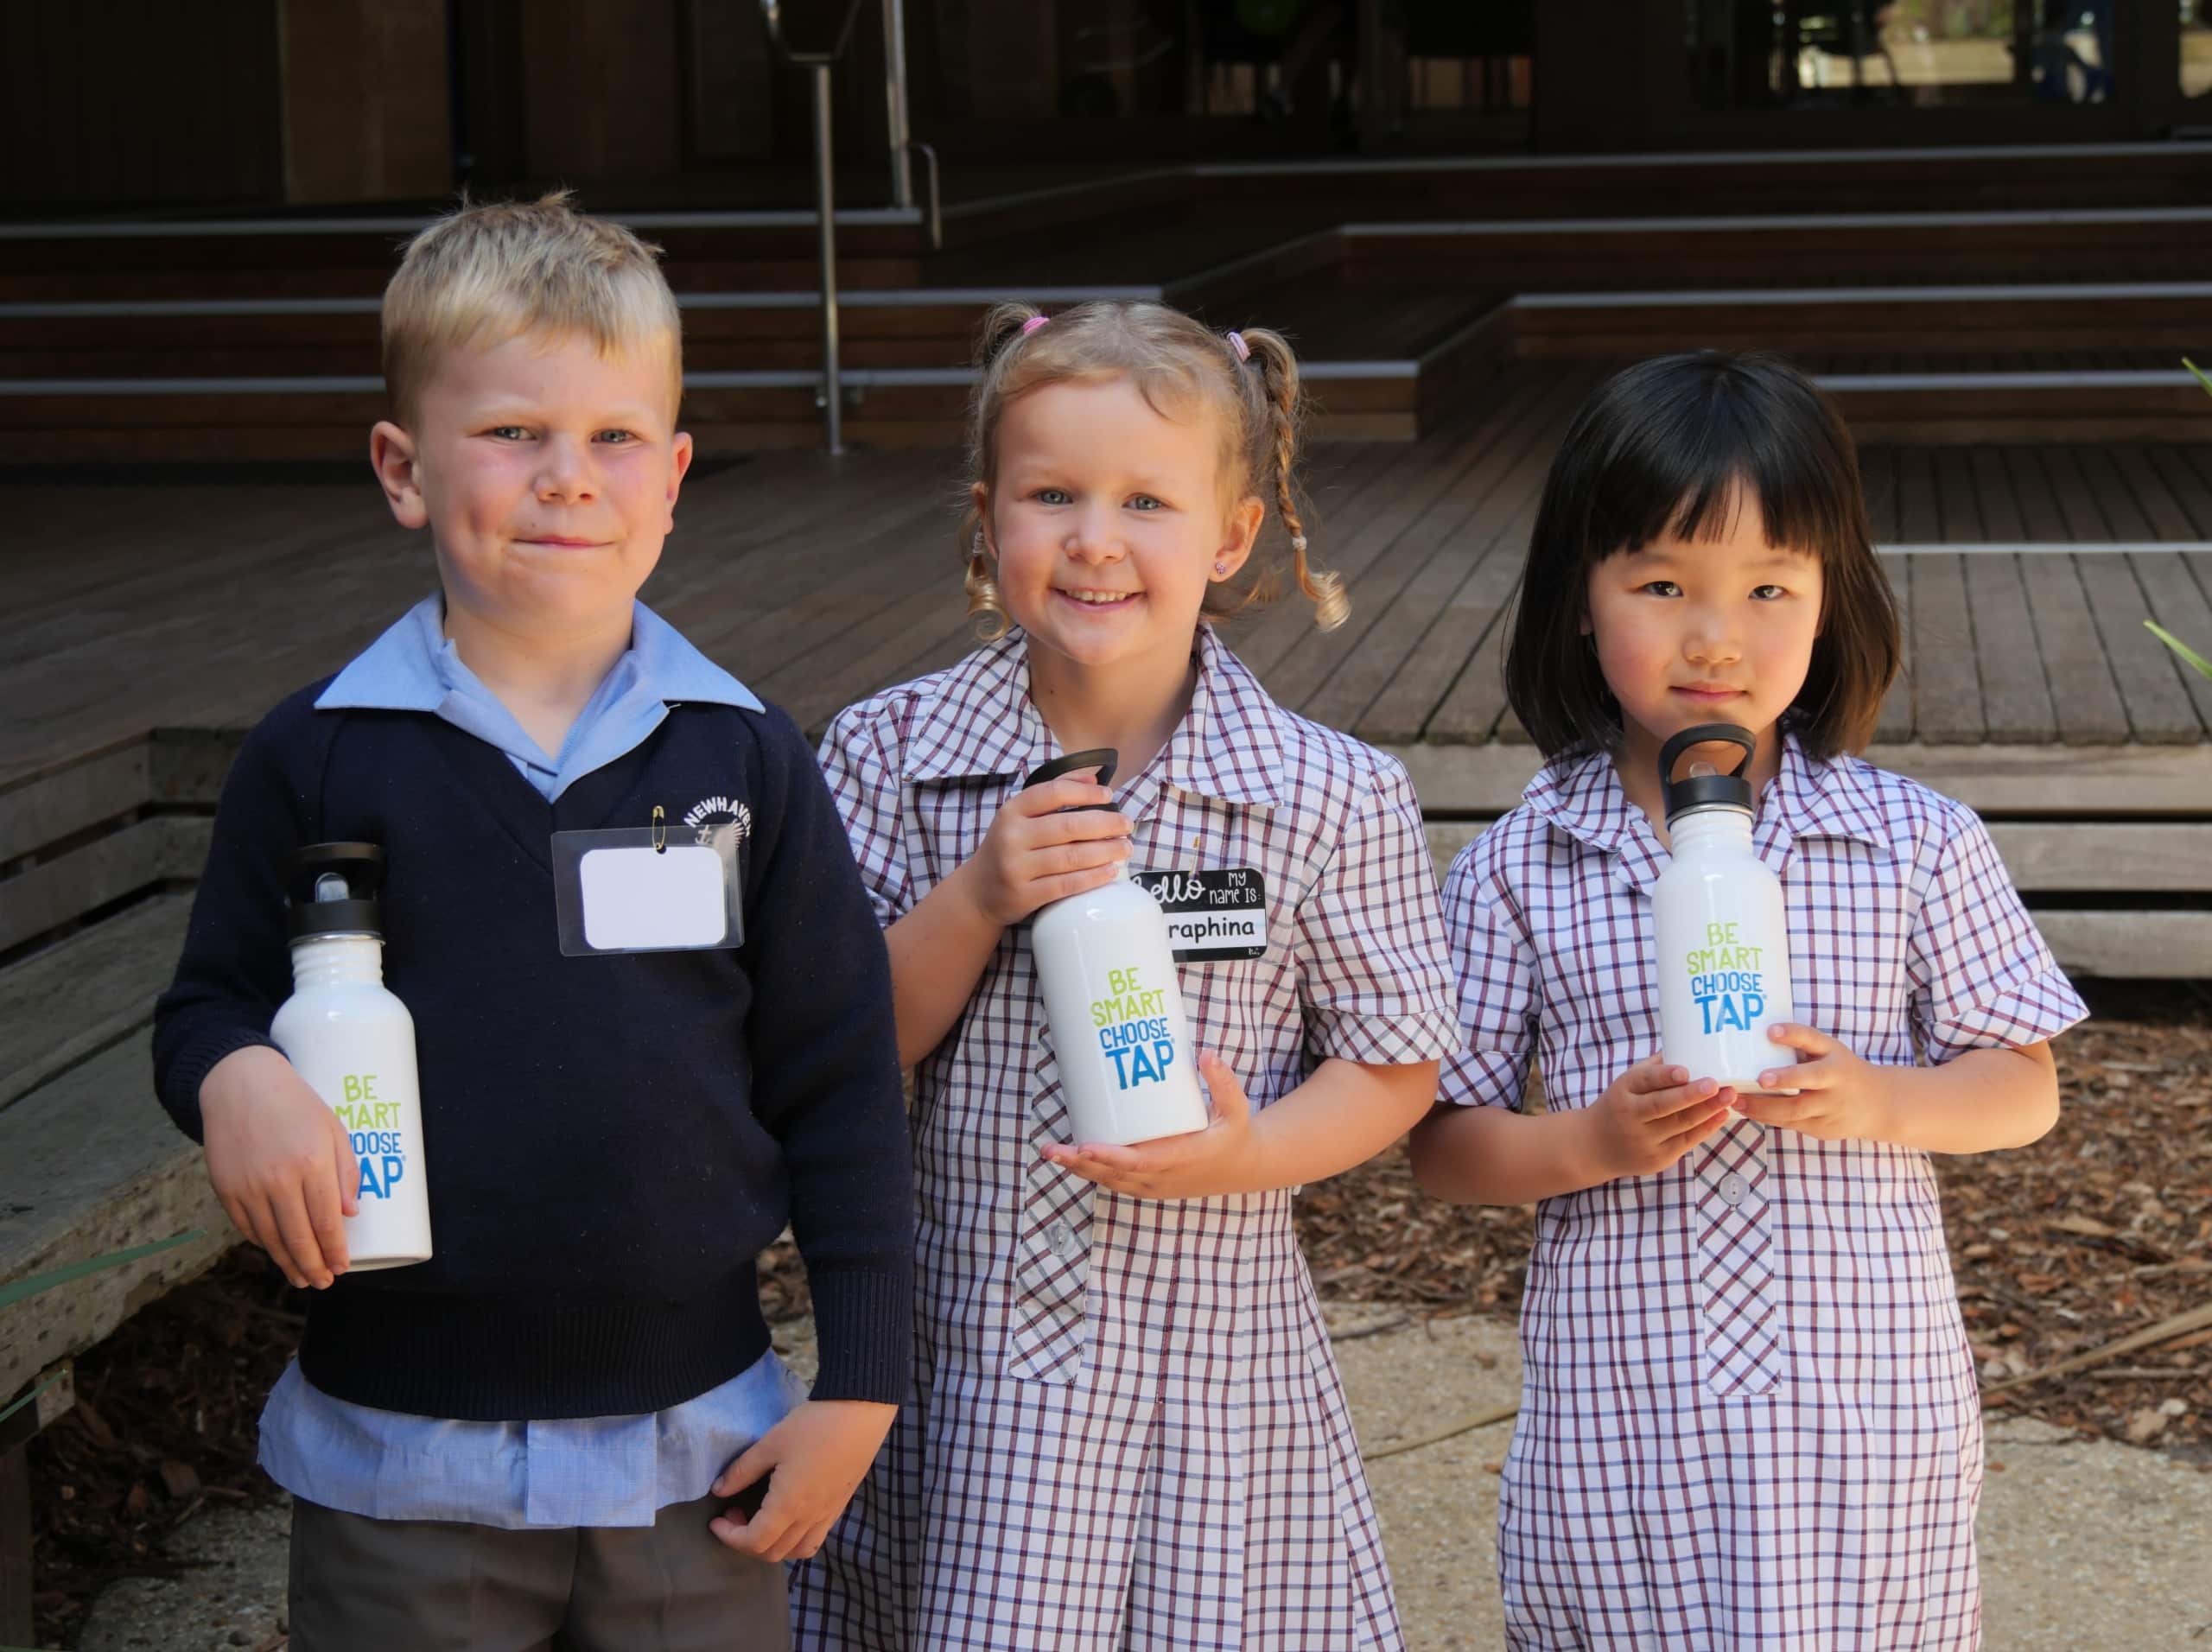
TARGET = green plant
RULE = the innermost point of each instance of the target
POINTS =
(22, 1288)
(2203, 666)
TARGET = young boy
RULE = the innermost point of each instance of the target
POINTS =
(531, 1437)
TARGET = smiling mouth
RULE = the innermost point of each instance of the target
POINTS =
(1098, 599)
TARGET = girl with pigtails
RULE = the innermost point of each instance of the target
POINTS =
(1127, 1429)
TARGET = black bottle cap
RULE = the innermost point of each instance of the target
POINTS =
(1101, 758)
(1704, 791)
(361, 866)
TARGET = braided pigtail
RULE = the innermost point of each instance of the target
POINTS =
(1282, 408)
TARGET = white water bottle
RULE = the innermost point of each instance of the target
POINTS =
(1114, 1004)
(1722, 935)
(354, 1044)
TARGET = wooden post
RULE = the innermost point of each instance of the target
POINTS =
(16, 1582)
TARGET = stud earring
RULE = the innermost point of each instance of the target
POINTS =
(1220, 569)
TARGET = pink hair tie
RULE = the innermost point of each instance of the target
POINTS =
(1244, 350)
(1033, 324)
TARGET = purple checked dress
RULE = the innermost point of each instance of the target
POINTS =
(1127, 1429)
(1749, 1414)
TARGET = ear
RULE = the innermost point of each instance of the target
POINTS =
(679, 461)
(392, 455)
(1239, 534)
(981, 497)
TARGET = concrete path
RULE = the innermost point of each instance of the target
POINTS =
(2086, 1545)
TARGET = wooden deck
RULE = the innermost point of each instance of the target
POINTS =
(132, 607)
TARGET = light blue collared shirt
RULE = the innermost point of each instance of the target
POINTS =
(585, 1472)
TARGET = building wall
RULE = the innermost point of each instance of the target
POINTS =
(367, 112)
(138, 102)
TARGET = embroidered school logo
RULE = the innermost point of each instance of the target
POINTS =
(712, 817)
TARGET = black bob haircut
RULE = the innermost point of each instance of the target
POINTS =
(1662, 449)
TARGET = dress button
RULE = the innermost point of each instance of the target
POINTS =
(1061, 1237)
(1732, 1188)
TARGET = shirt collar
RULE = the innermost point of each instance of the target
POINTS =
(1582, 796)
(981, 721)
(414, 667)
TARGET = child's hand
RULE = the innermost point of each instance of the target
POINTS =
(1033, 853)
(1652, 1115)
(281, 1163)
(820, 1454)
(1842, 1095)
(1224, 1158)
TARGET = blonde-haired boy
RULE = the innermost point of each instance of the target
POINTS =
(530, 1439)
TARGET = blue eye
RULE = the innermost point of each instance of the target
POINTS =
(617, 438)
(509, 432)
(1144, 502)
(1051, 496)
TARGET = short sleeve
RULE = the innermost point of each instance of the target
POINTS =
(863, 780)
(1980, 973)
(1495, 971)
(1372, 978)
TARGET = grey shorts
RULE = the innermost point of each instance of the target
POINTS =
(427, 1586)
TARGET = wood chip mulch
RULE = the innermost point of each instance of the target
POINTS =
(2102, 1228)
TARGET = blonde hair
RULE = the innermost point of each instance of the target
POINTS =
(485, 274)
(1173, 361)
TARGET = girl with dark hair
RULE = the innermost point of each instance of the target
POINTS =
(1748, 1416)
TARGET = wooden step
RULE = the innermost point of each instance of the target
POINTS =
(1940, 320)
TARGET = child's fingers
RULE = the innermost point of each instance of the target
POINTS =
(1675, 1099)
(752, 1536)
(1088, 855)
(1113, 1181)
(811, 1544)
(240, 1220)
(1652, 1073)
(1804, 1039)
(1080, 790)
(1061, 886)
(347, 1169)
(1699, 1127)
(751, 1464)
(1806, 1075)
(787, 1547)
(1085, 825)
(1122, 1161)
(1225, 1097)
(262, 1226)
(290, 1207)
(327, 1217)
(1786, 1111)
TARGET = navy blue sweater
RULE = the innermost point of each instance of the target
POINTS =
(611, 1140)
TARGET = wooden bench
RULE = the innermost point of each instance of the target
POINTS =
(89, 1164)
(2120, 896)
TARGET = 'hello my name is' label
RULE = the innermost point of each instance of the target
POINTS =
(1215, 914)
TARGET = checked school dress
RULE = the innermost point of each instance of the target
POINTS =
(1127, 1429)
(1749, 1415)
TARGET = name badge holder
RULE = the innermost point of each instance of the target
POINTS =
(633, 889)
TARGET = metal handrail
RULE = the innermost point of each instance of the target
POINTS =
(825, 198)
(934, 218)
